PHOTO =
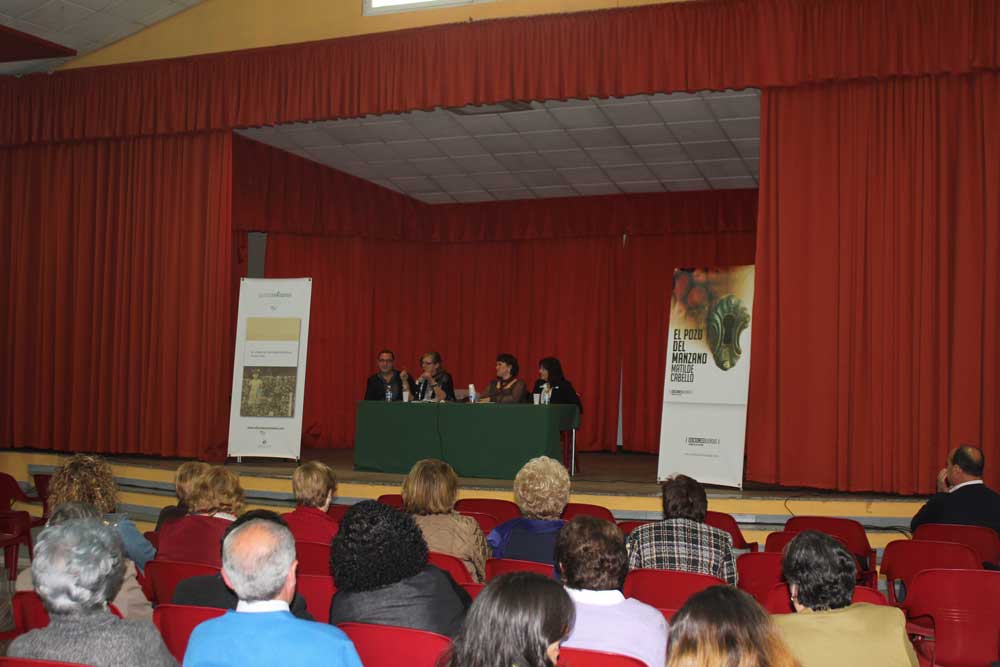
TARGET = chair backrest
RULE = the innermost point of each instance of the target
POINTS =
(503, 510)
(965, 608)
(984, 540)
(338, 511)
(153, 537)
(10, 491)
(628, 526)
(313, 557)
(17, 523)
(579, 657)
(759, 572)
(902, 559)
(850, 532)
(30, 614)
(390, 646)
(164, 575)
(726, 522)
(42, 482)
(497, 566)
(778, 540)
(473, 589)
(392, 500)
(666, 589)
(176, 622)
(586, 509)
(27, 662)
(487, 522)
(452, 565)
(318, 592)
(778, 600)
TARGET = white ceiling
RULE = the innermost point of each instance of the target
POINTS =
(642, 143)
(84, 25)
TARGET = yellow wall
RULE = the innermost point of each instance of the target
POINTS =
(229, 25)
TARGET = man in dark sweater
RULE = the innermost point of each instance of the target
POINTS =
(962, 497)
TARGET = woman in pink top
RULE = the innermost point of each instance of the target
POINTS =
(314, 486)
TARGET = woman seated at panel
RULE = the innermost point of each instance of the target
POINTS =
(379, 564)
(216, 500)
(827, 630)
(541, 491)
(506, 387)
(314, 485)
(429, 494)
(435, 383)
(78, 569)
(554, 386)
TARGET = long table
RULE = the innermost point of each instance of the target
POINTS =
(478, 440)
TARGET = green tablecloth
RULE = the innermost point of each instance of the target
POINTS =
(478, 440)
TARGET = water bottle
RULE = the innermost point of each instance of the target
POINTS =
(472, 393)
(388, 394)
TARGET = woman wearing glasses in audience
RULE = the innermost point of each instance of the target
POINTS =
(506, 387)
(434, 384)
(552, 382)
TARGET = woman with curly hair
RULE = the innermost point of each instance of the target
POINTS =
(429, 494)
(519, 619)
(89, 479)
(541, 490)
(379, 563)
(215, 500)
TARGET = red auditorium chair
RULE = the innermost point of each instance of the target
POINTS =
(963, 609)
(42, 481)
(15, 530)
(497, 566)
(389, 646)
(850, 532)
(902, 559)
(726, 522)
(452, 565)
(164, 575)
(11, 492)
(778, 600)
(338, 511)
(30, 614)
(585, 509)
(759, 572)
(473, 589)
(503, 510)
(579, 657)
(153, 537)
(984, 540)
(318, 592)
(313, 557)
(667, 590)
(25, 662)
(176, 622)
(392, 500)
(628, 526)
(487, 522)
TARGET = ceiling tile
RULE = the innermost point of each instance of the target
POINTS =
(632, 172)
(687, 184)
(435, 124)
(161, 14)
(484, 124)
(710, 150)
(573, 157)
(99, 26)
(631, 114)
(531, 121)
(736, 106)
(459, 146)
(359, 169)
(513, 193)
(619, 155)
(456, 183)
(332, 154)
(549, 140)
(310, 138)
(497, 180)
(579, 117)
(133, 10)
(748, 147)
(477, 163)
(435, 166)
(585, 176)
(614, 101)
(348, 133)
(732, 183)
(434, 198)
(674, 111)
(397, 168)
(395, 131)
(556, 191)
(722, 168)
(57, 14)
(657, 133)
(543, 178)
(503, 143)
(707, 130)
(641, 186)
(19, 8)
(597, 189)
(473, 196)
(519, 162)
(675, 171)
(385, 184)
(417, 148)
(562, 104)
(742, 128)
(375, 151)
(598, 137)
(414, 184)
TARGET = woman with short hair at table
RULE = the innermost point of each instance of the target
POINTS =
(506, 387)
(552, 381)
(435, 383)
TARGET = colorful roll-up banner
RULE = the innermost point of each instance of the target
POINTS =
(269, 373)
(703, 428)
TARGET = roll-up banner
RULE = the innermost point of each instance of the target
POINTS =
(269, 373)
(703, 428)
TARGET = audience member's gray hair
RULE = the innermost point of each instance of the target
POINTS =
(257, 571)
(78, 566)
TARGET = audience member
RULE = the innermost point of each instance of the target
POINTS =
(961, 496)
(541, 490)
(518, 619)
(314, 485)
(258, 562)
(429, 494)
(591, 557)
(89, 479)
(379, 563)
(216, 498)
(722, 626)
(552, 382)
(827, 630)
(506, 387)
(210, 590)
(78, 567)
(388, 379)
(130, 600)
(184, 478)
(682, 540)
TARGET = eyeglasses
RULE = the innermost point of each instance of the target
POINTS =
(385, 361)
(427, 363)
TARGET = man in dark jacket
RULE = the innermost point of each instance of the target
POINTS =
(962, 497)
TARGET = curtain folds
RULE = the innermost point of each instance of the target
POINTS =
(876, 310)
(716, 45)
(116, 259)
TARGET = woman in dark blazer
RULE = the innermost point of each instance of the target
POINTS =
(551, 380)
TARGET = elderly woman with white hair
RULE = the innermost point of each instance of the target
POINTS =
(78, 567)
(541, 491)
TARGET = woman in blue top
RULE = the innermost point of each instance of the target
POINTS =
(541, 491)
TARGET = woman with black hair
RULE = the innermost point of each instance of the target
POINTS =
(506, 387)
(379, 563)
(552, 383)
(519, 619)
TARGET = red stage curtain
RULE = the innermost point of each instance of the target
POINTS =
(117, 268)
(677, 46)
(875, 345)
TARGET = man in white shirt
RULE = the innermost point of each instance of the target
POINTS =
(962, 497)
